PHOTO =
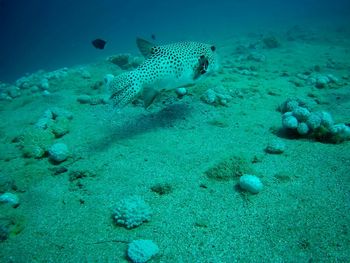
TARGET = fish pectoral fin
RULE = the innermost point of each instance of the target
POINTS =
(145, 47)
(148, 96)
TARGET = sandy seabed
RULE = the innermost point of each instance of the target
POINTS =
(301, 215)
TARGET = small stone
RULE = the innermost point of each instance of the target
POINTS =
(60, 112)
(4, 96)
(332, 79)
(108, 78)
(44, 84)
(181, 91)
(250, 183)
(58, 152)
(84, 99)
(276, 146)
(10, 198)
(34, 89)
(96, 100)
(60, 127)
(43, 123)
(256, 57)
(14, 92)
(223, 99)
(311, 81)
(209, 96)
(46, 93)
(246, 72)
(321, 82)
(85, 74)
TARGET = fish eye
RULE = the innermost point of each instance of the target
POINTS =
(213, 48)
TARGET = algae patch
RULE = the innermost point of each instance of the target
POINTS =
(34, 142)
(229, 168)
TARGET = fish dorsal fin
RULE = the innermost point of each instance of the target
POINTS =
(145, 47)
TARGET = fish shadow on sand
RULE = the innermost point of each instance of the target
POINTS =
(165, 118)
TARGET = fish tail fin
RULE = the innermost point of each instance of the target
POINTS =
(124, 88)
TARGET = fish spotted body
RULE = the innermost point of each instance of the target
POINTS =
(167, 66)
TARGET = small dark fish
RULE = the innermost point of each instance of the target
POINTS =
(99, 43)
(153, 36)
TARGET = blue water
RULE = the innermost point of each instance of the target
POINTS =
(41, 34)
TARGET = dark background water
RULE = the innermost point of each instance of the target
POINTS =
(42, 34)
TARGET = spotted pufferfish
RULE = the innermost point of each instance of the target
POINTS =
(167, 66)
